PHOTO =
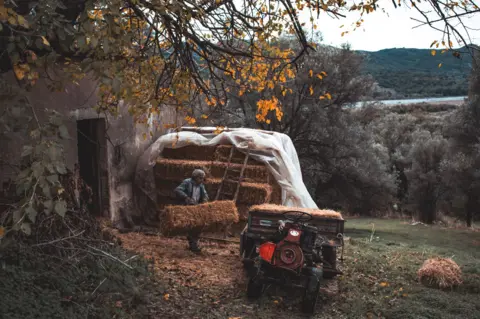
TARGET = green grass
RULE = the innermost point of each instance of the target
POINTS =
(392, 256)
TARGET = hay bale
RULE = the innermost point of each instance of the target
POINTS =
(276, 196)
(250, 193)
(252, 173)
(210, 217)
(219, 153)
(440, 273)
(222, 153)
(172, 169)
(272, 208)
(190, 152)
(243, 211)
(179, 169)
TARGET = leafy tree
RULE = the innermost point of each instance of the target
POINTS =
(426, 187)
(462, 168)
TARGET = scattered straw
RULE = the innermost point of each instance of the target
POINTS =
(212, 216)
(440, 273)
(272, 208)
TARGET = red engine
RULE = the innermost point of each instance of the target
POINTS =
(286, 253)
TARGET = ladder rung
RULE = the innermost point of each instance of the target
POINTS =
(229, 180)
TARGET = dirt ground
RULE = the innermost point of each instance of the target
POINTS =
(211, 284)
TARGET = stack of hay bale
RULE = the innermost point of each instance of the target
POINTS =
(258, 186)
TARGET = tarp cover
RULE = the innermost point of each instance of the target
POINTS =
(274, 149)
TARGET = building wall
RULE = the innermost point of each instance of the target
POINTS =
(124, 139)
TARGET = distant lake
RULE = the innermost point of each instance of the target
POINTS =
(452, 99)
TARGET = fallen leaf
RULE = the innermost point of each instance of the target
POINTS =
(166, 296)
(118, 304)
(2, 231)
(384, 284)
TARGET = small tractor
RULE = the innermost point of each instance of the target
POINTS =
(292, 248)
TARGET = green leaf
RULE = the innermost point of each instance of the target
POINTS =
(35, 134)
(47, 206)
(26, 228)
(17, 215)
(53, 178)
(47, 191)
(16, 111)
(38, 169)
(31, 213)
(61, 169)
(61, 208)
(64, 132)
(27, 150)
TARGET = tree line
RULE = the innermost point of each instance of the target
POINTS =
(417, 159)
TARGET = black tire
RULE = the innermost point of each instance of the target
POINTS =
(254, 289)
(311, 295)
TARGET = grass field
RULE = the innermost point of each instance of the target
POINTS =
(382, 257)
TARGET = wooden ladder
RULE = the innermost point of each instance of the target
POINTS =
(228, 178)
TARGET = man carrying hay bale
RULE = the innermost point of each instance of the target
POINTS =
(192, 192)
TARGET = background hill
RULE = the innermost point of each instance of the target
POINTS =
(415, 72)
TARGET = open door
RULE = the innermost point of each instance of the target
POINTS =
(93, 162)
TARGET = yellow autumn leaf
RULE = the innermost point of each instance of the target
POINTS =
(328, 96)
(166, 296)
(275, 302)
(439, 65)
(144, 136)
(3, 13)
(19, 72)
(22, 21)
(319, 76)
(268, 121)
(322, 97)
(204, 116)
(384, 284)
(433, 52)
(45, 41)
(310, 73)
(311, 91)
(324, 73)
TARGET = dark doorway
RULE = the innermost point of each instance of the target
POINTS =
(92, 158)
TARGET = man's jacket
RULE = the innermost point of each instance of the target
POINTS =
(185, 190)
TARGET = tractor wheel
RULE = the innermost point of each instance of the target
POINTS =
(254, 289)
(311, 294)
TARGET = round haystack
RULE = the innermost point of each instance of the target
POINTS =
(440, 273)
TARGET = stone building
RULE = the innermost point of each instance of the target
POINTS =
(105, 147)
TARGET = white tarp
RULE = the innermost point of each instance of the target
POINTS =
(274, 149)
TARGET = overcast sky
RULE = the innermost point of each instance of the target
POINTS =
(393, 29)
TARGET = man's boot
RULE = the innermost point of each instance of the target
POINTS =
(193, 244)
